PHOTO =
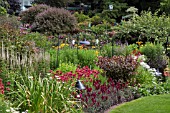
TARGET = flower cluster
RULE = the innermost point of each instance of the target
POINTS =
(100, 96)
(85, 74)
(1, 87)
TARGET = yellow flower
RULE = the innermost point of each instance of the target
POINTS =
(97, 53)
(139, 42)
(93, 47)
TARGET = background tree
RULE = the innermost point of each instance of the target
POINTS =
(14, 6)
(153, 5)
(54, 3)
(165, 6)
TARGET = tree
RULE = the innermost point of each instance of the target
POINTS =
(165, 6)
(14, 6)
(53, 3)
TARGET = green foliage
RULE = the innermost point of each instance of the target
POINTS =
(101, 28)
(54, 20)
(67, 67)
(36, 39)
(28, 16)
(143, 76)
(9, 27)
(3, 105)
(96, 20)
(3, 11)
(147, 27)
(117, 50)
(165, 6)
(37, 94)
(155, 55)
(87, 58)
(80, 57)
(119, 7)
(81, 17)
(118, 67)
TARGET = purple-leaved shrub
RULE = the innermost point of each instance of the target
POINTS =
(54, 20)
(28, 16)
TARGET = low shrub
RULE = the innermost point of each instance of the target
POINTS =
(122, 49)
(28, 16)
(118, 67)
(81, 17)
(54, 20)
(156, 57)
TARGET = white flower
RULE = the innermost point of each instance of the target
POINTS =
(145, 65)
(50, 78)
(8, 110)
(30, 77)
(48, 74)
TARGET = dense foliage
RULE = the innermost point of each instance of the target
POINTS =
(14, 6)
(54, 20)
(28, 16)
(147, 27)
(118, 67)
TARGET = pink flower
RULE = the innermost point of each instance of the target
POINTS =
(8, 83)
(8, 89)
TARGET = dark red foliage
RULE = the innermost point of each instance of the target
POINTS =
(118, 67)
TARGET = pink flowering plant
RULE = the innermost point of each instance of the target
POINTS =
(101, 92)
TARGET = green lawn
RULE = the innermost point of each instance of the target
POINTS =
(151, 104)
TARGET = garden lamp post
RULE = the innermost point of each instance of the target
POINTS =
(58, 44)
(166, 51)
(79, 85)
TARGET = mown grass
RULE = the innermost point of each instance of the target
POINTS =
(150, 104)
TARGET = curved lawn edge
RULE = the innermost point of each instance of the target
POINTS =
(150, 104)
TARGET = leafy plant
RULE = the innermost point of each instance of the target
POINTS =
(155, 56)
(81, 17)
(37, 94)
(28, 16)
(67, 67)
(118, 67)
(54, 20)
(146, 27)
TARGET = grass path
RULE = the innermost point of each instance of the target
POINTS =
(151, 104)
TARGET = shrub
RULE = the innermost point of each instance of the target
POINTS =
(146, 27)
(118, 67)
(3, 11)
(9, 28)
(36, 40)
(143, 76)
(28, 16)
(101, 28)
(14, 5)
(155, 55)
(54, 20)
(10, 20)
(67, 67)
(82, 57)
(81, 17)
(122, 49)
